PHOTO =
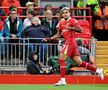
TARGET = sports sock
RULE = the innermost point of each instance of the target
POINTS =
(88, 66)
(62, 67)
(63, 79)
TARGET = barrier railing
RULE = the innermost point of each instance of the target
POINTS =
(15, 53)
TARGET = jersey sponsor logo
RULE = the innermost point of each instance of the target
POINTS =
(64, 30)
(76, 21)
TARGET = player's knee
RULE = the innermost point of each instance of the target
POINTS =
(78, 60)
(62, 56)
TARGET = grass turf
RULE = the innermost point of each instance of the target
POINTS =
(52, 87)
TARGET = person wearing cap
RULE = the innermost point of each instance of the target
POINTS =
(29, 6)
(67, 28)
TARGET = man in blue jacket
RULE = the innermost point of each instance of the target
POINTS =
(12, 30)
(35, 33)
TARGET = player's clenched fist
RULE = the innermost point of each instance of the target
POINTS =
(48, 39)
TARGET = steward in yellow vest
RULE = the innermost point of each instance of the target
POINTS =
(102, 20)
(93, 4)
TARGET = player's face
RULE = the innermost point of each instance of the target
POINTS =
(66, 14)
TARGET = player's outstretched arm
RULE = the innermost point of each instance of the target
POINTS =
(57, 35)
(53, 37)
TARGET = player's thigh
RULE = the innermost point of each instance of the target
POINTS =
(77, 59)
(62, 56)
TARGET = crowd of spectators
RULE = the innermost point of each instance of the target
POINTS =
(31, 26)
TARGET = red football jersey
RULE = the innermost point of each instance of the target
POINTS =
(66, 32)
(70, 46)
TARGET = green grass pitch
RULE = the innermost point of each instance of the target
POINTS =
(52, 87)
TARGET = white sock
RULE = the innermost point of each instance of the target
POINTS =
(97, 70)
(63, 79)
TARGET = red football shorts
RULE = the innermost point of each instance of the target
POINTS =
(70, 48)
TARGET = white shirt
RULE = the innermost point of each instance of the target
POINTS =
(26, 22)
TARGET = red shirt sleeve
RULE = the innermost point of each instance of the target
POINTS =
(75, 23)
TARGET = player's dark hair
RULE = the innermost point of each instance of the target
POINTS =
(61, 12)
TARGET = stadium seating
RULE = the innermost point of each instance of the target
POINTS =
(86, 32)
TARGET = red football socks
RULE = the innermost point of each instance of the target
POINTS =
(88, 66)
(62, 67)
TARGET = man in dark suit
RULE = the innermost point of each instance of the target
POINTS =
(49, 22)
